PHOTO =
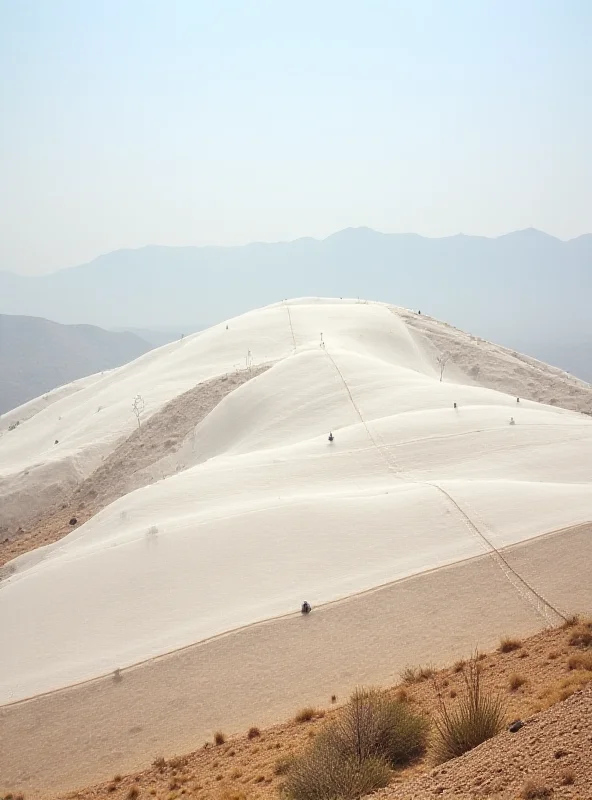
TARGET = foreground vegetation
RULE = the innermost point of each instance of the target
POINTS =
(374, 734)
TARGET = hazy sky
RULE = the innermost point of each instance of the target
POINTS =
(135, 122)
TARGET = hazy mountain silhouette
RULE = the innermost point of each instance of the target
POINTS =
(524, 287)
(37, 355)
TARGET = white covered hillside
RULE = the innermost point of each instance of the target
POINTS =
(254, 510)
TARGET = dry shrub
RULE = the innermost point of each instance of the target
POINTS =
(219, 738)
(477, 717)
(305, 714)
(516, 681)
(535, 790)
(373, 725)
(580, 661)
(283, 765)
(508, 645)
(417, 674)
(231, 794)
(253, 733)
(402, 695)
(568, 777)
(581, 635)
(133, 793)
(322, 773)
(553, 655)
(459, 665)
(570, 621)
(353, 754)
(560, 690)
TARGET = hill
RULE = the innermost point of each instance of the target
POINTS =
(450, 506)
(37, 355)
(526, 290)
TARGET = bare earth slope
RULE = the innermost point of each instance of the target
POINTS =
(551, 745)
(496, 367)
(262, 674)
(550, 755)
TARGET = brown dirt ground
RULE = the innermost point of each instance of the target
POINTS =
(551, 746)
(125, 469)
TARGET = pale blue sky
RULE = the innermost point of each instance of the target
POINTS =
(136, 122)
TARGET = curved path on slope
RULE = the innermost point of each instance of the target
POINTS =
(262, 674)
(409, 484)
(235, 679)
(548, 612)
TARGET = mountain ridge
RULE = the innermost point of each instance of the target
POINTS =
(37, 355)
(524, 286)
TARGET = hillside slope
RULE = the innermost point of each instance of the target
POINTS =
(462, 468)
(442, 512)
(37, 355)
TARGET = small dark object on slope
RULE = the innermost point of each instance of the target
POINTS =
(331, 437)
(516, 725)
(73, 521)
(306, 608)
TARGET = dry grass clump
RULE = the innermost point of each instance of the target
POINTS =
(353, 754)
(219, 738)
(570, 621)
(516, 681)
(535, 790)
(133, 793)
(305, 714)
(253, 733)
(568, 777)
(231, 794)
(580, 661)
(476, 717)
(159, 763)
(322, 774)
(560, 690)
(373, 725)
(581, 636)
(283, 765)
(508, 644)
(402, 695)
(552, 655)
(417, 674)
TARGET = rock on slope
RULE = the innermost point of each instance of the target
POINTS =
(264, 511)
(550, 756)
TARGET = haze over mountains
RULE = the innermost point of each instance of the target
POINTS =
(37, 355)
(525, 289)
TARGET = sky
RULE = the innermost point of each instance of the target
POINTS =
(187, 123)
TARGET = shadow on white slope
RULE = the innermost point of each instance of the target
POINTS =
(267, 512)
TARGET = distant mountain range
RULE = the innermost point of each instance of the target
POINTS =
(526, 290)
(37, 355)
